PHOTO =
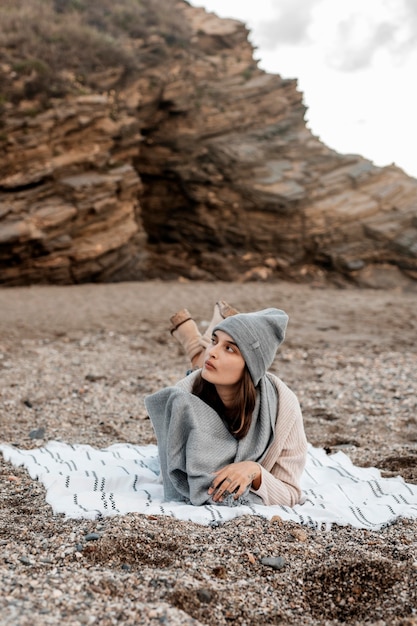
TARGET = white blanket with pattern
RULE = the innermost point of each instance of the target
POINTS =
(85, 482)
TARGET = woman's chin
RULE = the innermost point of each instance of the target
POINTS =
(206, 375)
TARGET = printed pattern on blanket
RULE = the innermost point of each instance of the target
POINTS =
(85, 482)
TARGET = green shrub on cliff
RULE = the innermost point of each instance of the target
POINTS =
(53, 47)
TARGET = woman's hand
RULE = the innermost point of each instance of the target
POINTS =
(235, 479)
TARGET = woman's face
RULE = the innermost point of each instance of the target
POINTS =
(223, 362)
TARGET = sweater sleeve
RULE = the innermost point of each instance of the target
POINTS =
(285, 460)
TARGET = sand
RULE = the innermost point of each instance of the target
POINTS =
(75, 364)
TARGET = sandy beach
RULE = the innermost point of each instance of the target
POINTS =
(75, 364)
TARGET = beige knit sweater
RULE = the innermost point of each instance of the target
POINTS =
(285, 459)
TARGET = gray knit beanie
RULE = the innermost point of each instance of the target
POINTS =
(257, 336)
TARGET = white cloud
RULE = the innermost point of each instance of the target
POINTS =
(290, 25)
(360, 39)
(364, 28)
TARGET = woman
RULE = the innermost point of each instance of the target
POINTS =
(230, 432)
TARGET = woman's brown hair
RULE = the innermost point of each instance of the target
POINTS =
(238, 418)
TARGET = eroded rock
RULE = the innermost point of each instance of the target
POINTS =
(200, 167)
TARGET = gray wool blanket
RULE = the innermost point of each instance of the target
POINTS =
(194, 442)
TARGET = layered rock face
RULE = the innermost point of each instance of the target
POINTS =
(201, 167)
(69, 196)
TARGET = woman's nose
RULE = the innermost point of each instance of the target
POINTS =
(212, 350)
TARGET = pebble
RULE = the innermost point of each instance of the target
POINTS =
(37, 433)
(204, 595)
(300, 534)
(92, 536)
(276, 562)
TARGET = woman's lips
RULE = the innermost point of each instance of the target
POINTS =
(209, 365)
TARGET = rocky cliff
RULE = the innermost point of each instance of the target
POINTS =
(195, 164)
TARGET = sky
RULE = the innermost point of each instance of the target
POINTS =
(355, 62)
